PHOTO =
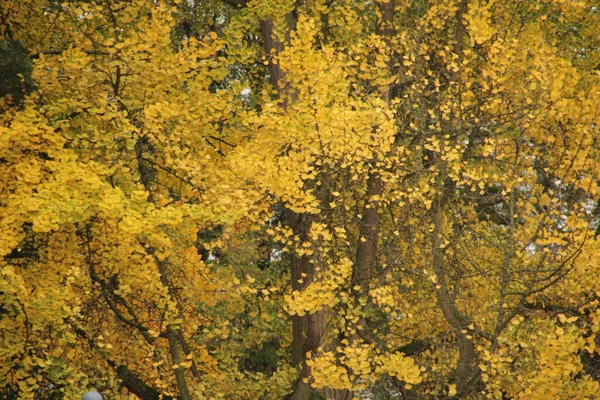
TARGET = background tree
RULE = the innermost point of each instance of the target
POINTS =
(254, 199)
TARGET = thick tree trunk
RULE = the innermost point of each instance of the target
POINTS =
(307, 330)
(370, 225)
(366, 253)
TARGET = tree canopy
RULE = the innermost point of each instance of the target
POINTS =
(299, 199)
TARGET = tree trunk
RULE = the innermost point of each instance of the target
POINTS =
(306, 329)
(466, 368)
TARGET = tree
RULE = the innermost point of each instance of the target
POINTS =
(248, 199)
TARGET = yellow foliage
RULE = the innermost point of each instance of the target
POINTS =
(248, 199)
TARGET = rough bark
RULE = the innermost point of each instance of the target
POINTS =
(366, 253)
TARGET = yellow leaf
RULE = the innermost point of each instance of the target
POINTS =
(452, 390)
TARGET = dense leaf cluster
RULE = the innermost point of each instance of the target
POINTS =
(299, 199)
